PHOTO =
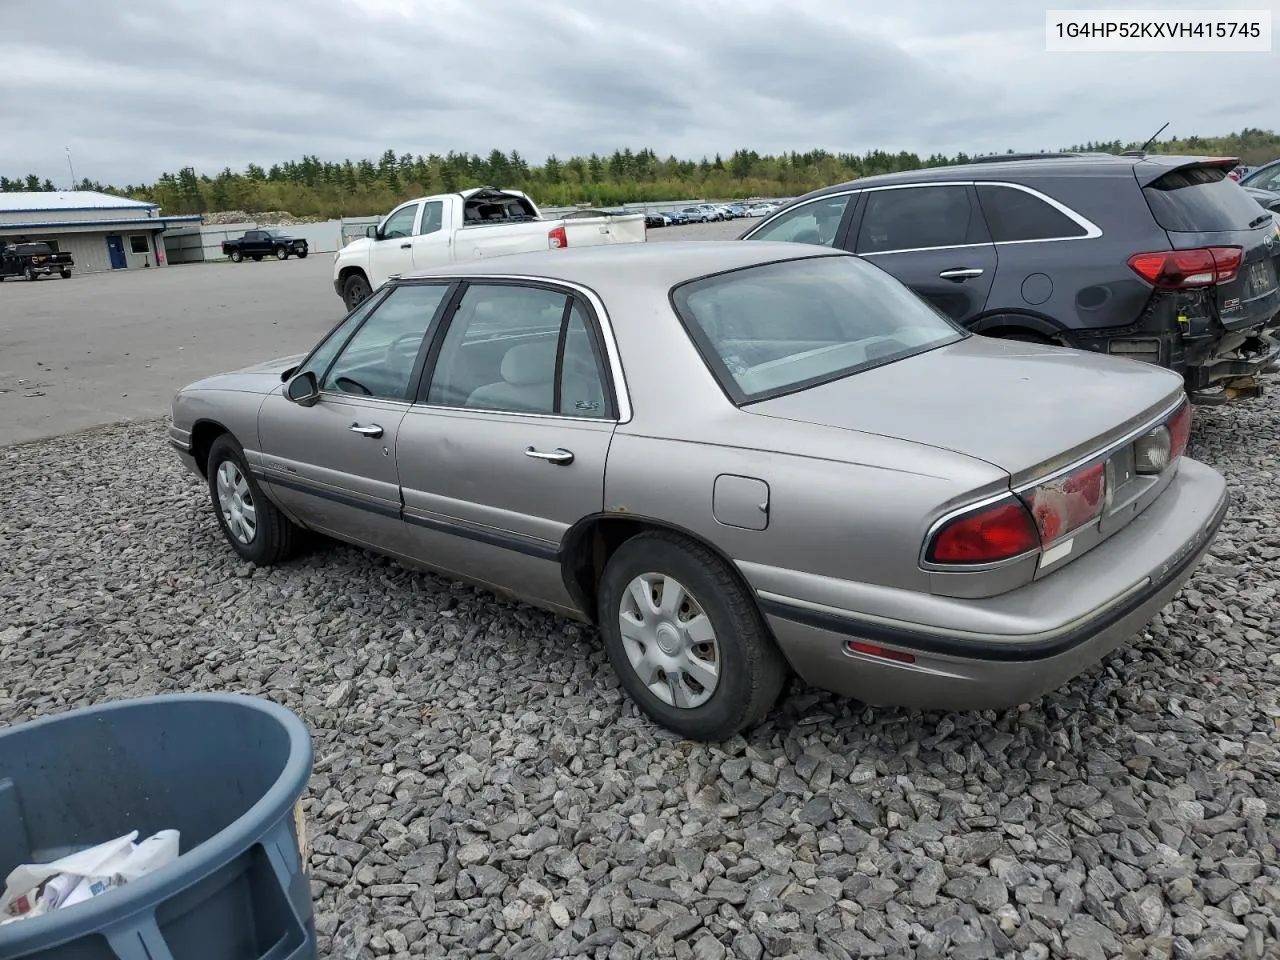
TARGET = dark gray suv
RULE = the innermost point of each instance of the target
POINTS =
(1158, 258)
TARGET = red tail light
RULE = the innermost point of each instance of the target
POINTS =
(1178, 269)
(986, 535)
(1180, 431)
(557, 239)
(1069, 502)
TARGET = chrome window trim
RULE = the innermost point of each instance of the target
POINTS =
(1103, 454)
(613, 353)
(750, 234)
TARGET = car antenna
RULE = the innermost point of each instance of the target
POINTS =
(1142, 151)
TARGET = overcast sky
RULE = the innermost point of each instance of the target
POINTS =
(139, 88)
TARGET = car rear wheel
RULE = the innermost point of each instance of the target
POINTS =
(66, 274)
(302, 254)
(236, 256)
(686, 639)
(355, 290)
(282, 253)
(252, 524)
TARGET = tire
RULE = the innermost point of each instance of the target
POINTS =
(29, 273)
(282, 253)
(751, 670)
(236, 256)
(355, 290)
(66, 274)
(273, 537)
(302, 254)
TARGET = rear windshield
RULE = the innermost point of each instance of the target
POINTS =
(34, 250)
(1200, 200)
(781, 327)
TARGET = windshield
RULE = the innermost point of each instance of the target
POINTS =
(780, 327)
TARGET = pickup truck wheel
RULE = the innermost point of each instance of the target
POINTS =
(66, 274)
(252, 524)
(686, 639)
(302, 254)
(355, 290)
(282, 253)
(236, 256)
(28, 273)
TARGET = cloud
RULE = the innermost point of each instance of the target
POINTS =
(139, 89)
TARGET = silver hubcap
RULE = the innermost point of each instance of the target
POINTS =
(235, 499)
(669, 641)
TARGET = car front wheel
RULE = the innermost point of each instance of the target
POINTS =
(686, 639)
(282, 253)
(355, 290)
(252, 524)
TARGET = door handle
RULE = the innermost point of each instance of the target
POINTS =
(960, 273)
(372, 430)
(406, 246)
(559, 455)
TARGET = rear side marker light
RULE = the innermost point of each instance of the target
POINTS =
(986, 535)
(1069, 502)
(1180, 269)
(871, 650)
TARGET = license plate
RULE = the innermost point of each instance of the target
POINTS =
(1261, 277)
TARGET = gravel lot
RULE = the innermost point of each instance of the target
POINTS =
(483, 788)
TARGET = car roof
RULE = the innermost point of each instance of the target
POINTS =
(657, 265)
(1020, 167)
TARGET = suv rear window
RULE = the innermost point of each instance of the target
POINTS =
(1200, 200)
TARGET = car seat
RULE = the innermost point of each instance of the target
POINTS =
(527, 384)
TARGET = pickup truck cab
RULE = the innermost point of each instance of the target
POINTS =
(33, 260)
(258, 243)
(457, 227)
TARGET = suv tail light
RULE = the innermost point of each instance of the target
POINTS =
(557, 239)
(987, 535)
(1069, 502)
(1179, 269)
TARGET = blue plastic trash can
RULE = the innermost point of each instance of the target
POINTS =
(223, 769)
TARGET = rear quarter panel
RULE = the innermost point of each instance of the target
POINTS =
(500, 239)
(836, 508)
(1091, 286)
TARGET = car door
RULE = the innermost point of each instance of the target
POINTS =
(432, 242)
(506, 447)
(332, 462)
(933, 238)
(392, 251)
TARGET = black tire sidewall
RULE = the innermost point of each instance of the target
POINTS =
(282, 253)
(225, 448)
(348, 287)
(725, 708)
(236, 256)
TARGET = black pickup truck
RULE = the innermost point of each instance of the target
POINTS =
(33, 260)
(258, 243)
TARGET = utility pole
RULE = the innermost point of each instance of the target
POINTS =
(71, 168)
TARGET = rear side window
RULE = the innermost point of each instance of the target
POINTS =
(915, 218)
(1200, 200)
(1014, 214)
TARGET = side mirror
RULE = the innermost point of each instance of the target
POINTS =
(371, 232)
(303, 389)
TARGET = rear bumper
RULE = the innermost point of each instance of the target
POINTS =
(1024, 652)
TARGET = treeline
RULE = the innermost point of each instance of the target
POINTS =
(311, 187)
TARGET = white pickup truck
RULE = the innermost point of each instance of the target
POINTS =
(455, 227)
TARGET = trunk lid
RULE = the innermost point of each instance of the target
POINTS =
(1198, 205)
(1025, 408)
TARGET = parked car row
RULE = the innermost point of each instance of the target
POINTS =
(709, 213)
(1157, 258)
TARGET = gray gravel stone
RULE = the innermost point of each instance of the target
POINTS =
(482, 788)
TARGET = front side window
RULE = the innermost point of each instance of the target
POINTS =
(378, 361)
(914, 218)
(519, 349)
(814, 222)
(400, 223)
(779, 327)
